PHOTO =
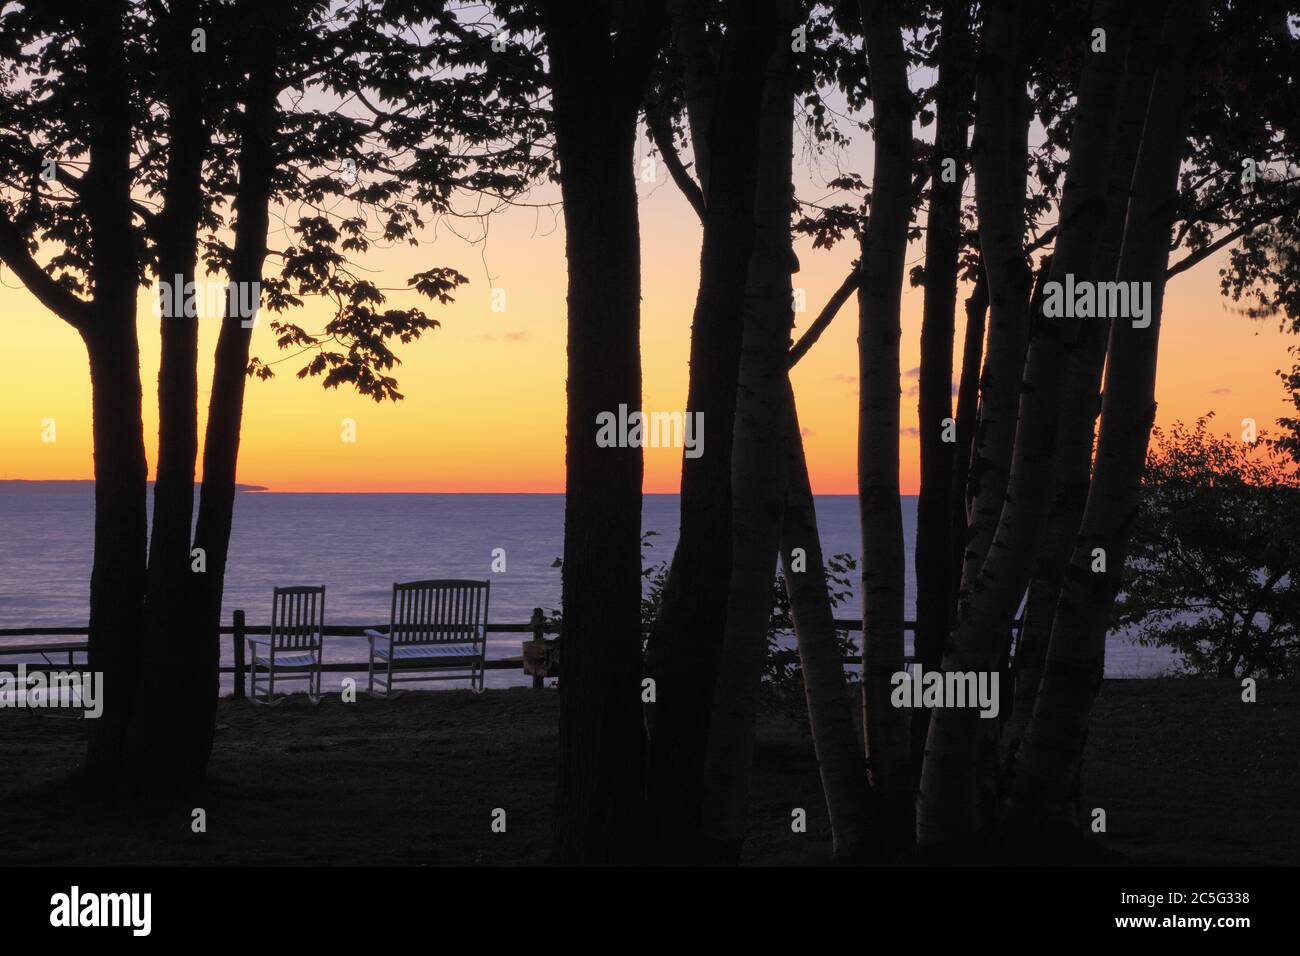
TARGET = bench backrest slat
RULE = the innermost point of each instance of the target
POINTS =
(297, 616)
(439, 612)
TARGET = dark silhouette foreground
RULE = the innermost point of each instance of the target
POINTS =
(414, 781)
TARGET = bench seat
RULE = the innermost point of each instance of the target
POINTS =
(437, 630)
(416, 651)
(284, 661)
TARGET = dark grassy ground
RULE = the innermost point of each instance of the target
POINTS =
(1187, 774)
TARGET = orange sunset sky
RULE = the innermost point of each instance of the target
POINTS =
(484, 407)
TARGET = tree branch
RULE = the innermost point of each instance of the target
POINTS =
(1205, 252)
(14, 253)
(1042, 240)
(75, 184)
(828, 312)
(919, 182)
(662, 133)
(841, 295)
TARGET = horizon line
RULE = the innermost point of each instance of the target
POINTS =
(253, 488)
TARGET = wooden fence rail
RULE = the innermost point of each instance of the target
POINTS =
(359, 630)
(538, 655)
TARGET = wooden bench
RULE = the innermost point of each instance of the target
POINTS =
(434, 627)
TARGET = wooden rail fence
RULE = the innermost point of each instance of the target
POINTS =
(538, 656)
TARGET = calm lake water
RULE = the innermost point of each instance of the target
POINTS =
(358, 545)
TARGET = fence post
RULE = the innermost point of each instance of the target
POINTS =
(239, 655)
(539, 634)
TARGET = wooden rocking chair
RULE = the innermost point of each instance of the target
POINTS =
(294, 646)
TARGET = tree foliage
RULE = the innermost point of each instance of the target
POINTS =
(1215, 569)
(389, 115)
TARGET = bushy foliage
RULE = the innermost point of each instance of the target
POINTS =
(1214, 568)
(782, 671)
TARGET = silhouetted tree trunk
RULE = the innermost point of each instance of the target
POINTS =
(758, 469)
(999, 152)
(257, 164)
(117, 581)
(1043, 785)
(697, 52)
(118, 576)
(686, 640)
(107, 326)
(884, 245)
(597, 85)
(950, 798)
(977, 307)
(934, 527)
(1081, 402)
(840, 758)
(168, 635)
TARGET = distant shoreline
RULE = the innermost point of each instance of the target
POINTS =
(36, 486)
(25, 485)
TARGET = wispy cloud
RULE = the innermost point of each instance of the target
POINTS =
(913, 390)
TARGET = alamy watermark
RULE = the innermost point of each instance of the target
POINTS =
(1098, 300)
(651, 430)
(53, 690)
(946, 689)
(208, 300)
(75, 909)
